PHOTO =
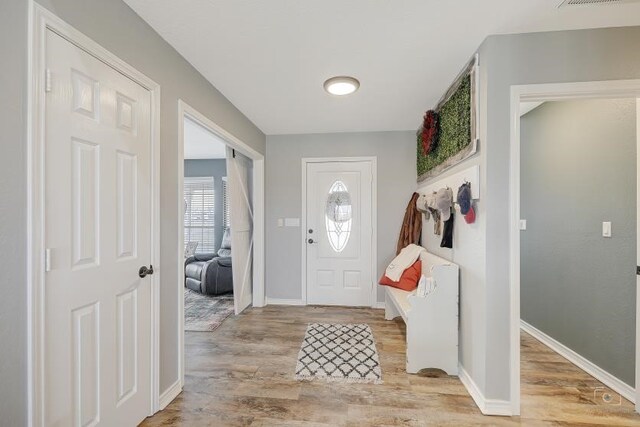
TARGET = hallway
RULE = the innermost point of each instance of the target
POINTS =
(242, 375)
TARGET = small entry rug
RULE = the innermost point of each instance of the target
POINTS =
(341, 353)
(205, 313)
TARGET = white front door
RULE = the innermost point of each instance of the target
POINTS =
(98, 234)
(339, 233)
(239, 174)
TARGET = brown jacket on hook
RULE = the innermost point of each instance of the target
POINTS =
(411, 225)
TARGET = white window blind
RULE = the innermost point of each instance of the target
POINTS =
(199, 221)
(226, 211)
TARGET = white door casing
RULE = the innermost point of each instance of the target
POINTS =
(339, 250)
(98, 216)
(637, 385)
(241, 219)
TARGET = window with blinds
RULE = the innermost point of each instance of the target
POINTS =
(199, 221)
(226, 211)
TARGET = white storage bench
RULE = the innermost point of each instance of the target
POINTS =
(432, 321)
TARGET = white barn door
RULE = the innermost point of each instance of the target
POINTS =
(239, 174)
(98, 235)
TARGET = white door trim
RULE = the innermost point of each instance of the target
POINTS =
(186, 111)
(41, 20)
(374, 219)
(542, 93)
(637, 384)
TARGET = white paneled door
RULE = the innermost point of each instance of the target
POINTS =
(98, 235)
(339, 233)
(239, 177)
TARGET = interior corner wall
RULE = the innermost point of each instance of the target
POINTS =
(13, 205)
(578, 169)
(216, 168)
(396, 154)
(120, 30)
(553, 57)
(468, 252)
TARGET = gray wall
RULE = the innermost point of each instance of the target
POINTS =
(13, 304)
(217, 168)
(116, 27)
(396, 153)
(566, 56)
(578, 169)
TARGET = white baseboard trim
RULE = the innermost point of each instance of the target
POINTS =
(169, 394)
(280, 301)
(589, 367)
(379, 304)
(486, 406)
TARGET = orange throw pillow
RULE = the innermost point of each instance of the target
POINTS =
(409, 279)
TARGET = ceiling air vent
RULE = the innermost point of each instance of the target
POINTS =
(566, 3)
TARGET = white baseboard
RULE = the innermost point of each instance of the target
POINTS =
(169, 394)
(280, 301)
(378, 304)
(486, 406)
(589, 367)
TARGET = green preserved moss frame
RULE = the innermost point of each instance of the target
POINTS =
(456, 129)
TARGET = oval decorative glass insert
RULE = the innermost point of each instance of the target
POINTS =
(338, 216)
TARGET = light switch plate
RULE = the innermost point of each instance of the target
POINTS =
(606, 229)
(280, 222)
(292, 222)
(523, 224)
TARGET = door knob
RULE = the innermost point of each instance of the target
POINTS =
(144, 271)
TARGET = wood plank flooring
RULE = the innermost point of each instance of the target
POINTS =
(242, 375)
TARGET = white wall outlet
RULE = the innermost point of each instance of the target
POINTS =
(280, 222)
(523, 224)
(606, 229)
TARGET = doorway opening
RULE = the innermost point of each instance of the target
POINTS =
(208, 264)
(573, 147)
(221, 227)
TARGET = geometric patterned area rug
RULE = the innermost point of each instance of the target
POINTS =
(205, 313)
(341, 353)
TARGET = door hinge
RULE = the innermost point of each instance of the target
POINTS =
(638, 270)
(47, 80)
(47, 259)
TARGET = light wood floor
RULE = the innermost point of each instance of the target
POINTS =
(242, 375)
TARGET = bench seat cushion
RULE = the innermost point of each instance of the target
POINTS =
(408, 281)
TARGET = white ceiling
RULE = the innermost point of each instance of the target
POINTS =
(199, 143)
(270, 57)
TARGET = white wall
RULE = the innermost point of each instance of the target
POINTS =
(396, 153)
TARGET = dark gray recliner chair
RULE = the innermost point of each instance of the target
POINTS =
(211, 274)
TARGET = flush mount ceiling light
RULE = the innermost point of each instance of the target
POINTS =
(590, 2)
(341, 85)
